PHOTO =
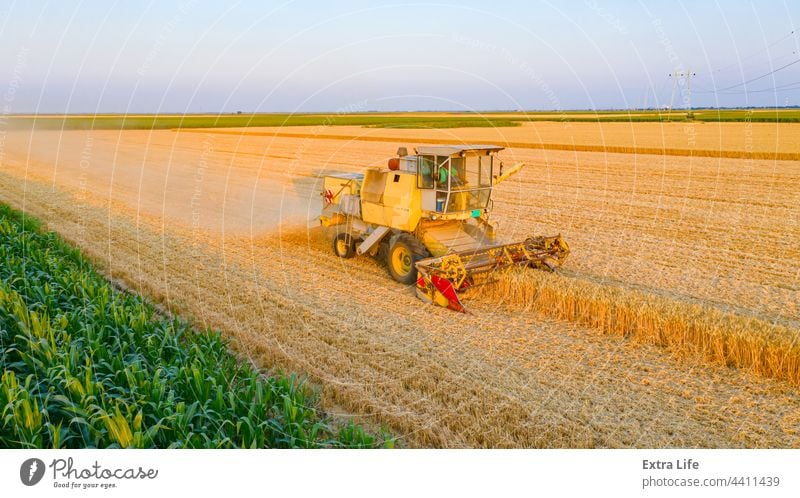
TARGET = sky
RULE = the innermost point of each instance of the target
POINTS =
(356, 55)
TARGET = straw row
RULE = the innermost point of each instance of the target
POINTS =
(723, 337)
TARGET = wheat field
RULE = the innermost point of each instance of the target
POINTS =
(634, 344)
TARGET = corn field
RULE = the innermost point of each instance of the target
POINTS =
(87, 366)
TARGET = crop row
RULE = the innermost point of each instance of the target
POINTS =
(723, 337)
(85, 365)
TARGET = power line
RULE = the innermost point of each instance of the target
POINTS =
(760, 65)
(752, 79)
(761, 51)
(785, 86)
(776, 90)
(780, 88)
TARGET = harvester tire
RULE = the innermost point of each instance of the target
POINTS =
(383, 251)
(404, 252)
(344, 246)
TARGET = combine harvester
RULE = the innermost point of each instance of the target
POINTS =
(427, 216)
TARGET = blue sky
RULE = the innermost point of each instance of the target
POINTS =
(303, 56)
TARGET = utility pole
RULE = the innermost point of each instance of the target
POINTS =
(679, 74)
(672, 97)
(689, 75)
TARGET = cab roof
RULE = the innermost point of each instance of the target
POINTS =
(449, 150)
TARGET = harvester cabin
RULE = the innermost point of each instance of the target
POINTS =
(455, 178)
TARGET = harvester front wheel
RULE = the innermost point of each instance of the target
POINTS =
(343, 245)
(404, 252)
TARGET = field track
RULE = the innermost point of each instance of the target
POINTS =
(219, 225)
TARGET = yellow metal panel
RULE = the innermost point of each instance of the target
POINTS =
(374, 184)
(372, 213)
(443, 236)
(402, 201)
(391, 198)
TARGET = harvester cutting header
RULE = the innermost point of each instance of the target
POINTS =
(427, 215)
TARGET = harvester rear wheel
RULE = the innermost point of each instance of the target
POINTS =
(404, 252)
(344, 246)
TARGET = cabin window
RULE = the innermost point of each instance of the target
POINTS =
(425, 171)
(486, 171)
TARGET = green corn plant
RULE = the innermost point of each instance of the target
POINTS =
(102, 369)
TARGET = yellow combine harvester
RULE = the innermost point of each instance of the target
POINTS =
(427, 216)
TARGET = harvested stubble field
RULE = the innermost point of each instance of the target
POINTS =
(215, 225)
